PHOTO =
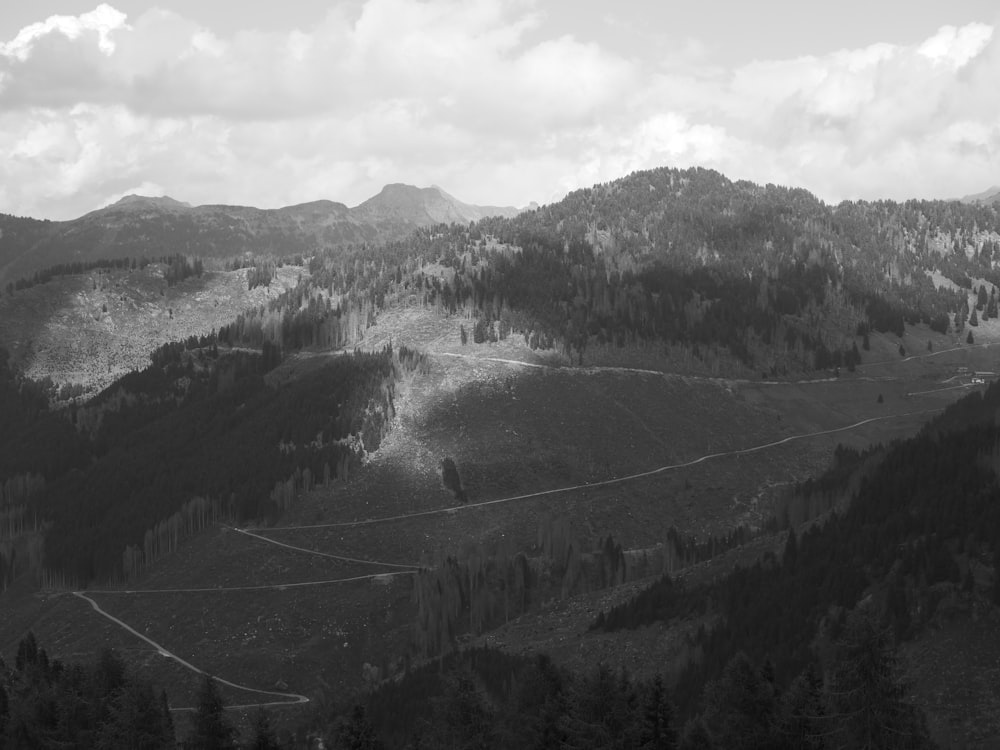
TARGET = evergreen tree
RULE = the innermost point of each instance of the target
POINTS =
(996, 574)
(740, 707)
(167, 716)
(263, 735)
(791, 553)
(4, 709)
(27, 652)
(696, 737)
(136, 721)
(867, 694)
(602, 710)
(802, 715)
(533, 721)
(357, 732)
(969, 339)
(462, 718)
(657, 731)
(211, 731)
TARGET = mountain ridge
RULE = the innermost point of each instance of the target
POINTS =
(990, 195)
(152, 226)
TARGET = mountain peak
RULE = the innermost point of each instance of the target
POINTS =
(133, 201)
(399, 202)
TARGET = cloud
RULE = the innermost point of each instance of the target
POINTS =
(100, 22)
(474, 96)
(886, 120)
(954, 47)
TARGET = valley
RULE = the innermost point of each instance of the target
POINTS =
(313, 477)
(631, 453)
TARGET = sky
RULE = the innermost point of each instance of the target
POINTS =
(500, 102)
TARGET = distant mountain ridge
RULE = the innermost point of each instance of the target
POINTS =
(144, 226)
(990, 195)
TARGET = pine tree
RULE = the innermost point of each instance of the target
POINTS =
(357, 732)
(602, 709)
(657, 731)
(263, 735)
(4, 709)
(212, 731)
(996, 575)
(740, 707)
(791, 554)
(462, 718)
(168, 719)
(802, 720)
(135, 720)
(867, 693)
(27, 652)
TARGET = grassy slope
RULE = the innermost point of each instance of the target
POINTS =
(511, 430)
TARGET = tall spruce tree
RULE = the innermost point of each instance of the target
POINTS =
(211, 731)
(867, 693)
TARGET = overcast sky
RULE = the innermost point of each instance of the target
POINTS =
(499, 102)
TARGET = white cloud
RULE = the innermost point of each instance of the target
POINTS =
(954, 47)
(102, 21)
(472, 96)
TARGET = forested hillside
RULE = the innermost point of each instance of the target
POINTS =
(679, 270)
(694, 270)
(801, 650)
(47, 703)
(198, 436)
(777, 278)
(922, 534)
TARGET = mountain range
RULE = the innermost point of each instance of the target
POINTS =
(140, 226)
(990, 195)
(675, 450)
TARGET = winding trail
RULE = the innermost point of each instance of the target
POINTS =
(640, 371)
(260, 587)
(595, 369)
(289, 698)
(939, 390)
(293, 698)
(925, 355)
(605, 482)
(324, 554)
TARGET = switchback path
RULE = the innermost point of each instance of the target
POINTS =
(594, 369)
(605, 482)
(324, 554)
(925, 355)
(289, 698)
(260, 587)
(661, 373)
